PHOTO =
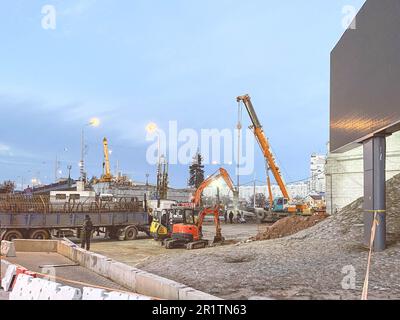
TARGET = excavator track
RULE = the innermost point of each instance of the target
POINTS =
(197, 245)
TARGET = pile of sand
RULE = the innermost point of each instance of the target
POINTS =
(289, 225)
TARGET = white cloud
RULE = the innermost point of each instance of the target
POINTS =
(5, 150)
(79, 8)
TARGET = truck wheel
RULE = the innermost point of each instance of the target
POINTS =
(40, 234)
(11, 235)
(131, 233)
(261, 216)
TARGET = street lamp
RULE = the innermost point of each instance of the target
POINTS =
(93, 122)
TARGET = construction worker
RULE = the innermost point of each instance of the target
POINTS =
(231, 216)
(87, 229)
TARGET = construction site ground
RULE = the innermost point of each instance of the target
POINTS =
(141, 250)
(326, 261)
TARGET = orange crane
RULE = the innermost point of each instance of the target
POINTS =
(107, 176)
(269, 157)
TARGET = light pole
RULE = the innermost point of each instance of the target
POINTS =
(94, 122)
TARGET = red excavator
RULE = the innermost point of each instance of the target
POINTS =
(189, 233)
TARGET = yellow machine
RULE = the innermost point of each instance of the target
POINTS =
(107, 176)
(160, 228)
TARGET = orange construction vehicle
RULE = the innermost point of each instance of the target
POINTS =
(281, 205)
(189, 233)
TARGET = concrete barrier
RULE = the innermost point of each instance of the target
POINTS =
(9, 275)
(193, 294)
(3, 267)
(35, 245)
(139, 281)
(67, 293)
(153, 285)
(93, 294)
(21, 290)
(7, 249)
(124, 275)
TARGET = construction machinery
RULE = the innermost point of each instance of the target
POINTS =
(188, 233)
(107, 176)
(220, 173)
(279, 206)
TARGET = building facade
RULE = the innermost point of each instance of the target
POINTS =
(345, 174)
(317, 183)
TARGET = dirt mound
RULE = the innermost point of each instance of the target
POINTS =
(290, 225)
(347, 225)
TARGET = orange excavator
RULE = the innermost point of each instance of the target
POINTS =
(189, 233)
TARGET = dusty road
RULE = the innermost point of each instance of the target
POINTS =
(139, 251)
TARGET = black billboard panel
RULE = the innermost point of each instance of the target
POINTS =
(365, 76)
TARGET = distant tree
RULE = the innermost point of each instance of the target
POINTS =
(261, 200)
(196, 172)
(7, 187)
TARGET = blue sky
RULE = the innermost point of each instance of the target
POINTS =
(131, 62)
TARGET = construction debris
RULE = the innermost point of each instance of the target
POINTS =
(288, 226)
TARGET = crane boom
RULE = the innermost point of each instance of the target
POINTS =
(221, 173)
(107, 177)
(264, 144)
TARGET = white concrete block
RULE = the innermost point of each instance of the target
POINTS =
(7, 249)
(48, 290)
(6, 282)
(123, 275)
(93, 294)
(154, 286)
(116, 296)
(137, 297)
(67, 293)
(21, 290)
(193, 295)
(35, 289)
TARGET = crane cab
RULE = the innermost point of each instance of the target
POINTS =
(280, 205)
(161, 225)
(165, 221)
(187, 231)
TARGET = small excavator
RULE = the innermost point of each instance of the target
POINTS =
(189, 233)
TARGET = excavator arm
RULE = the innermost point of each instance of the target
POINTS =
(221, 173)
(215, 212)
(264, 144)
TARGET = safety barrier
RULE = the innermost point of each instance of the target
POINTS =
(9, 276)
(134, 279)
(7, 249)
(27, 287)
(22, 245)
